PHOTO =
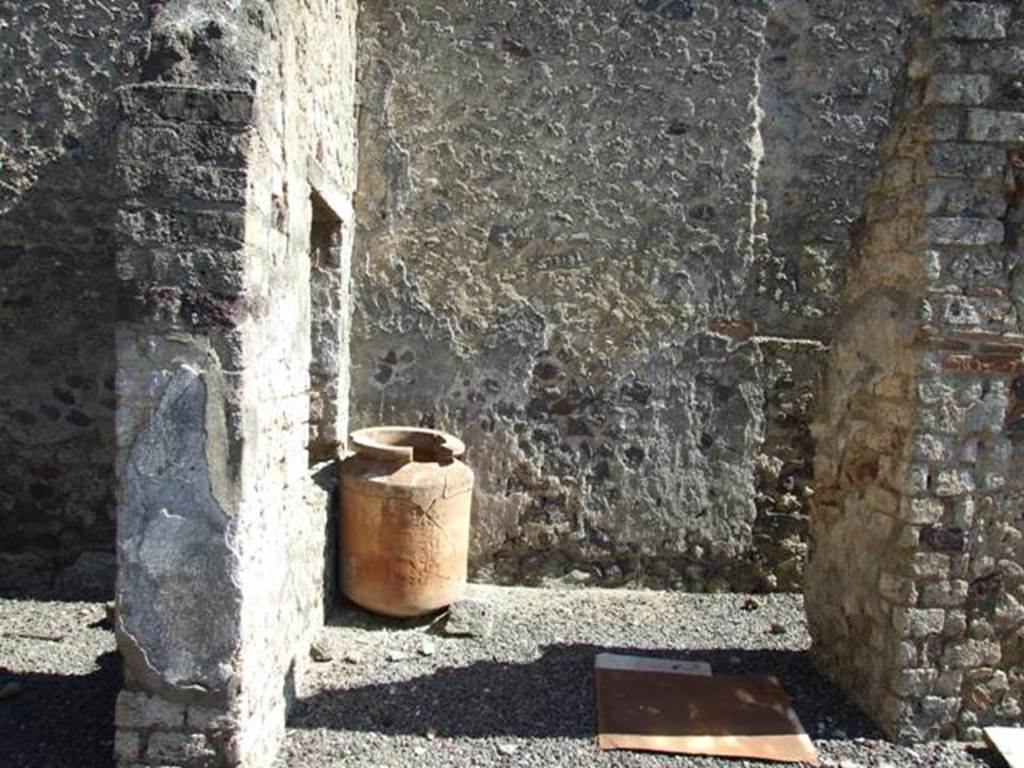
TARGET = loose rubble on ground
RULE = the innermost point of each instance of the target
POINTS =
(515, 691)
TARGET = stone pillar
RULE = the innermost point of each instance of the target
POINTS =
(235, 163)
(915, 586)
(182, 162)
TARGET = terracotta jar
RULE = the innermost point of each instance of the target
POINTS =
(403, 532)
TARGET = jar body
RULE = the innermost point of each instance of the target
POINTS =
(403, 533)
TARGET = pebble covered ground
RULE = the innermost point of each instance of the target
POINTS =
(401, 693)
(59, 677)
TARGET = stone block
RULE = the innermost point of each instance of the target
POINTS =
(963, 161)
(951, 483)
(963, 512)
(981, 628)
(955, 626)
(152, 102)
(937, 448)
(993, 481)
(958, 89)
(995, 126)
(988, 414)
(140, 710)
(127, 745)
(1001, 59)
(943, 123)
(949, 682)
(939, 711)
(930, 565)
(957, 198)
(918, 622)
(1009, 613)
(969, 654)
(913, 683)
(906, 654)
(177, 748)
(943, 594)
(923, 511)
(209, 719)
(909, 537)
(964, 231)
(972, 21)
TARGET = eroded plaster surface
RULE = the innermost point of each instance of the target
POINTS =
(603, 242)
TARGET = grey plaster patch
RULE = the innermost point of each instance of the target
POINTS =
(175, 549)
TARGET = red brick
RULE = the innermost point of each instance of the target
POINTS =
(985, 363)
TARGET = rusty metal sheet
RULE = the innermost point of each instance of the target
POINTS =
(729, 716)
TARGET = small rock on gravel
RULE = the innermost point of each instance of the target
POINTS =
(320, 650)
(470, 617)
(428, 647)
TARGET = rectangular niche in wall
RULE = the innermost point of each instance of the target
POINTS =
(327, 319)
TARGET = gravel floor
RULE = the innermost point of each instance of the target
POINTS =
(59, 676)
(523, 697)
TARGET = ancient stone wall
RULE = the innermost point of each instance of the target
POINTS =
(603, 242)
(235, 158)
(62, 63)
(915, 586)
(556, 210)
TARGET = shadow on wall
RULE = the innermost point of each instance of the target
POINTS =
(57, 366)
(59, 720)
(554, 696)
(63, 64)
(325, 477)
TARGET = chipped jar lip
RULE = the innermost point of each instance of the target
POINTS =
(404, 444)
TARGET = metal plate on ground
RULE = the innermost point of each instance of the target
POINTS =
(729, 716)
(651, 664)
(1009, 743)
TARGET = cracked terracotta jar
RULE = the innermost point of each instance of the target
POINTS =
(403, 529)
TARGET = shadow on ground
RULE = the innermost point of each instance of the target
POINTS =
(60, 720)
(553, 696)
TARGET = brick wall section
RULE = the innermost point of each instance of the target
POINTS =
(915, 585)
